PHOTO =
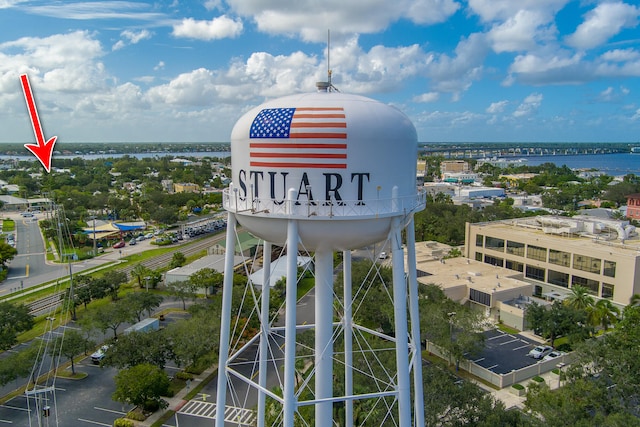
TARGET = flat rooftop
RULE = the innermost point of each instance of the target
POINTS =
(608, 234)
(460, 271)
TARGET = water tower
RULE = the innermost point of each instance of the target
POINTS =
(325, 172)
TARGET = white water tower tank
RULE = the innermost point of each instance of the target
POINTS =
(346, 162)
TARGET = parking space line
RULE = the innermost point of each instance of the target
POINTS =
(113, 411)
(14, 407)
(478, 360)
(94, 422)
(491, 367)
(508, 342)
(6, 421)
(521, 347)
(497, 336)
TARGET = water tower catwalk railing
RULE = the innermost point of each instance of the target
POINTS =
(305, 208)
(298, 214)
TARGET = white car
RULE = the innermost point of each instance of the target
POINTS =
(383, 255)
(540, 351)
(97, 357)
(553, 355)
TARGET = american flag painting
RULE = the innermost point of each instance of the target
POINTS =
(312, 137)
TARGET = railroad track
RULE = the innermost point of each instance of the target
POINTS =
(47, 304)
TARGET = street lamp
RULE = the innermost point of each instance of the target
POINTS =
(146, 280)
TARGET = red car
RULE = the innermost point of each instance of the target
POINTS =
(119, 245)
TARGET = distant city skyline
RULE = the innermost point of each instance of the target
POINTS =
(462, 71)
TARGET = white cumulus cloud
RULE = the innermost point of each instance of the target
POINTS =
(602, 23)
(529, 106)
(218, 28)
(131, 37)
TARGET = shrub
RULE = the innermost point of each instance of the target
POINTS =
(538, 379)
(136, 414)
(184, 375)
(123, 422)
(518, 386)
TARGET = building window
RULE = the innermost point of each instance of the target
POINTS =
(607, 290)
(535, 273)
(494, 243)
(587, 263)
(479, 240)
(515, 265)
(480, 297)
(515, 248)
(537, 291)
(591, 285)
(479, 256)
(609, 268)
(559, 279)
(559, 258)
(537, 253)
(493, 260)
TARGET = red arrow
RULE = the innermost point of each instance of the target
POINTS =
(42, 150)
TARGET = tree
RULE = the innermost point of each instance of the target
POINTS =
(135, 348)
(142, 385)
(604, 314)
(602, 385)
(178, 260)
(140, 272)
(207, 279)
(183, 290)
(7, 252)
(14, 319)
(110, 316)
(139, 302)
(18, 365)
(579, 298)
(114, 279)
(196, 337)
(70, 345)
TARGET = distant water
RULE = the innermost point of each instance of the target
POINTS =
(197, 154)
(618, 164)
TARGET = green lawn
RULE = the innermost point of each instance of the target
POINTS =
(8, 225)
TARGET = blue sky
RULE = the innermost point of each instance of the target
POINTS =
(475, 70)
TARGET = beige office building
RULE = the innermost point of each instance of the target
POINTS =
(554, 253)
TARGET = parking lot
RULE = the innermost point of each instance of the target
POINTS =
(85, 402)
(504, 352)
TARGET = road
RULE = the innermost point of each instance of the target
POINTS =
(30, 267)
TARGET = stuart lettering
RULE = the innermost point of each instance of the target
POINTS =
(277, 183)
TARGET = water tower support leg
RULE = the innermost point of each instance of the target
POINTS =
(348, 337)
(289, 395)
(264, 331)
(418, 398)
(400, 318)
(324, 332)
(225, 321)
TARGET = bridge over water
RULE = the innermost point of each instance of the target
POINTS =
(488, 150)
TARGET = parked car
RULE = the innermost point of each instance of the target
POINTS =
(120, 244)
(540, 351)
(553, 355)
(132, 242)
(383, 255)
(97, 357)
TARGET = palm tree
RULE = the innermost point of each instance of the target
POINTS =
(605, 313)
(635, 300)
(579, 298)
(140, 272)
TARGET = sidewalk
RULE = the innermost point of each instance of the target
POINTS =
(176, 402)
(510, 400)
